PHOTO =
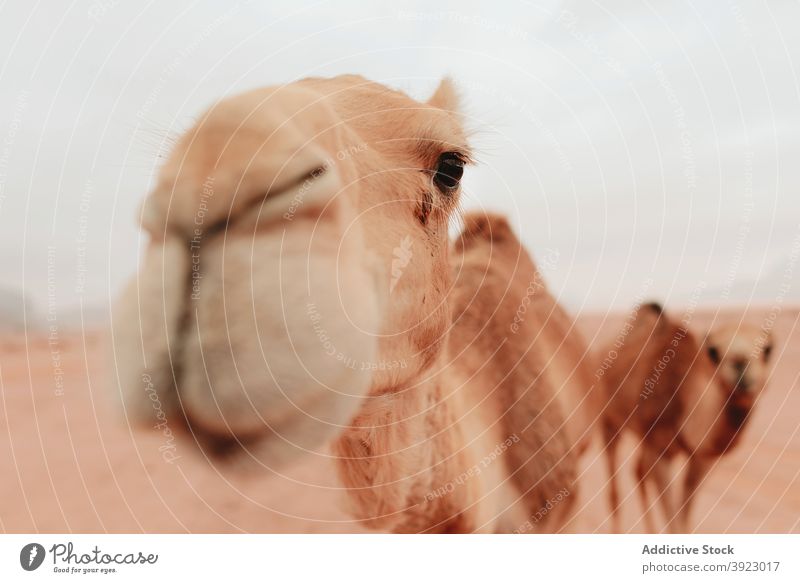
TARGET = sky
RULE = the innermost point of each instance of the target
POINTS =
(648, 150)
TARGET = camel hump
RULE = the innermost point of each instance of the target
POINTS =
(486, 227)
(651, 315)
(654, 307)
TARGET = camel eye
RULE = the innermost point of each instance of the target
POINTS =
(449, 169)
(713, 353)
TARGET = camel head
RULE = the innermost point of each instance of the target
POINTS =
(297, 260)
(741, 353)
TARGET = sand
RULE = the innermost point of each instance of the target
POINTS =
(69, 462)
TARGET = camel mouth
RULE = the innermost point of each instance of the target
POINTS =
(243, 352)
(742, 400)
(743, 376)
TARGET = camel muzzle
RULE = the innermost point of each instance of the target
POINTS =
(251, 332)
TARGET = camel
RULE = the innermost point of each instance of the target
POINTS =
(683, 398)
(300, 290)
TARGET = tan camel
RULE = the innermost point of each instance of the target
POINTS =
(681, 397)
(300, 288)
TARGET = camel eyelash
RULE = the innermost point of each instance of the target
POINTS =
(431, 149)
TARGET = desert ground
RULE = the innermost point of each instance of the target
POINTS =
(69, 461)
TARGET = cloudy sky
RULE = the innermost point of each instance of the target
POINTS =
(653, 148)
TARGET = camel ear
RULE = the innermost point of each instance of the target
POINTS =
(769, 342)
(711, 350)
(446, 97)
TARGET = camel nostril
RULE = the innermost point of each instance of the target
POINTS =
(741, 367)
(303, 180)
(311, 190)
(294, 189)
(316, 172)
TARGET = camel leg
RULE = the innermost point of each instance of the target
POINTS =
(663, 481)
(644, 465)
(611, 439)
(696, 472)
